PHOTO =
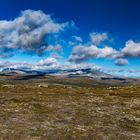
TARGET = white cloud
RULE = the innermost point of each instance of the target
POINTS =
(49, 64)
(121, 62)
(98, 38)
(27, 32)
(82, 53)
(16, 65)
(131, 49)
(48, 61)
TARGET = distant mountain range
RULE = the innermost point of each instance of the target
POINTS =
(13, 71)
(80, 77)
(68, 73)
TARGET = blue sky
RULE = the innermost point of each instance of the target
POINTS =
(114, 23)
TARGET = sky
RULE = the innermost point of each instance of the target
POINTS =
(52, 34)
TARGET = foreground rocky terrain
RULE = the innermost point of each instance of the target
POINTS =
(43, 109)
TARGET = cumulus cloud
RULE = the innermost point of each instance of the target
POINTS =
(98, 38)
(82, 53)
(131, 49)
(121, 62)
(48, 61)
(27, 32)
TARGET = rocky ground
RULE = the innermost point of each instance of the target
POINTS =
(41, 112)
